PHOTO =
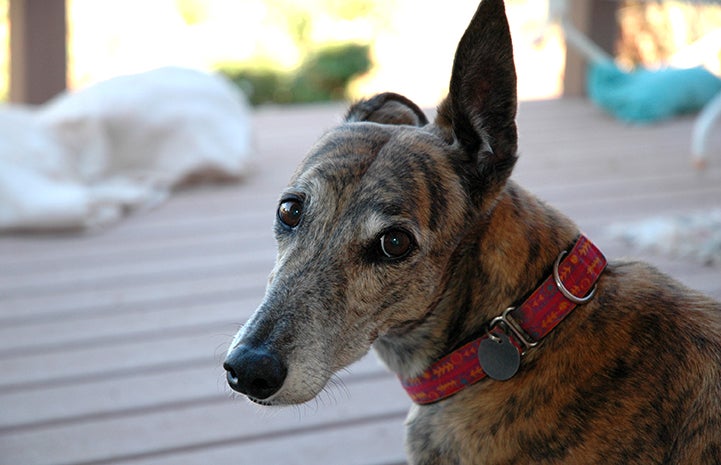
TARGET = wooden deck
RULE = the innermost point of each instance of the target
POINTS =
(111, 343)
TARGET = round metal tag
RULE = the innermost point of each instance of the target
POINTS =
(499, 358)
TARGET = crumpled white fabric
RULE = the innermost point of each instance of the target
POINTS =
(86, 158)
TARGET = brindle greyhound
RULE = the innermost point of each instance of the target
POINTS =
(516, 341)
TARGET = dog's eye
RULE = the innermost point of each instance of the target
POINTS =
(395, 243)
(290, 212)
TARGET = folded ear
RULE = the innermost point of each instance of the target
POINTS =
(480, 109)
(387, 108)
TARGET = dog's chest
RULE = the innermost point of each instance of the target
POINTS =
(469, 428)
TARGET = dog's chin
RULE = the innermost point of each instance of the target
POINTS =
(283, 400)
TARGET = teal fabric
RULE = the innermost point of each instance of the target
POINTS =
(644, 96)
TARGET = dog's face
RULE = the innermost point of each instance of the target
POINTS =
(370, 221)
(364, 231)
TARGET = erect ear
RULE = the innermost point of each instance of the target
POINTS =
(387, 108)
(480, 109)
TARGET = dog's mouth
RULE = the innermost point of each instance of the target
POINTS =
(263, 402)
(284, 398)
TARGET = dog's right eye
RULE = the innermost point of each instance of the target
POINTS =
(289, 212)
(395, 243)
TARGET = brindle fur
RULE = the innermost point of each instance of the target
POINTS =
(634, 376)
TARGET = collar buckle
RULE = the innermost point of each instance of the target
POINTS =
(562, 288)
(506, 322)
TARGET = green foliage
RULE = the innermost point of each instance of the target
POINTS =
(323, 76)
(325, 71)
(261, 85)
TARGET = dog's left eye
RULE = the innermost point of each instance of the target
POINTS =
(395, 243)
(289, 212)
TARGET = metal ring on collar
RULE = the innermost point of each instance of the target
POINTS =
(566, 293)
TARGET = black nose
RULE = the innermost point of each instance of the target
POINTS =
(255, 372)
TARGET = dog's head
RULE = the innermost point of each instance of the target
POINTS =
(372, 218)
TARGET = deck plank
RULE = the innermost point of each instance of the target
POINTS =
(111, 342)
(364, 443)
(200, 425)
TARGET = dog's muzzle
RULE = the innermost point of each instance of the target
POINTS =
(255, 371)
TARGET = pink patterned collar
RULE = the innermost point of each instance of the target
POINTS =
(497, 354)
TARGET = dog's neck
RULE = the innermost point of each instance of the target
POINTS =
(496, 265)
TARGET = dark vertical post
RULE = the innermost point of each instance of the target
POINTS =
(597, 20)
(38, 50)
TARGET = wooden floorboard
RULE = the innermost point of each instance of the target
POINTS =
(111, 342)
(199, 424)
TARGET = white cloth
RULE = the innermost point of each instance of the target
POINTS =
(86, 158)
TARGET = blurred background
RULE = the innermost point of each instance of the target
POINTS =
(298, 51)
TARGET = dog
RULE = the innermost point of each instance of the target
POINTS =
(517, 341)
